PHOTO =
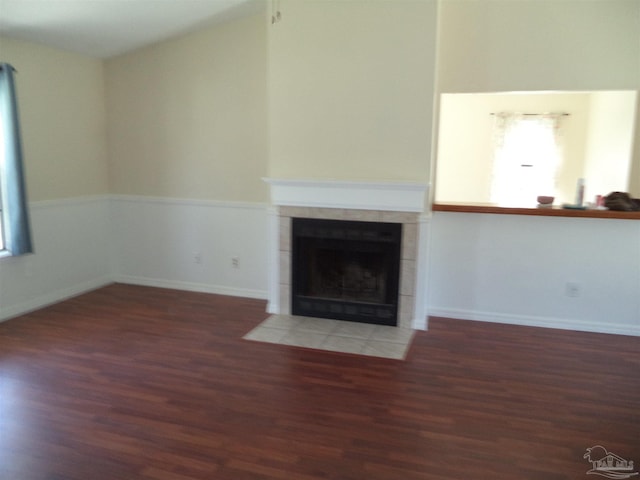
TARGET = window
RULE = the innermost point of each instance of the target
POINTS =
(527, 156)
(15, 234)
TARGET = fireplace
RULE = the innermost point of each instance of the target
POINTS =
(355, 203)
(346, 270)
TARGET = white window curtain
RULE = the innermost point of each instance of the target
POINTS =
(527, 155)
(16, 232)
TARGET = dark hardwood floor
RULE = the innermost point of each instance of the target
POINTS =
(132, 382)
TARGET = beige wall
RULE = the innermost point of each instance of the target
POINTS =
(505, 45)
(187, 117)
(62, 113)
(351, 89)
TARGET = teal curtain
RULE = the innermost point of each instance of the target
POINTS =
(15, 214)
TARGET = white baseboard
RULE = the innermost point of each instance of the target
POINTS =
(191, 287)
(420, 323)
(273, 307)
(53, 297)
(534, 321)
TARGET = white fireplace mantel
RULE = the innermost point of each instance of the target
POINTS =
(388, 196)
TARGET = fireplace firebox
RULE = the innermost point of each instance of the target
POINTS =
(346, 270)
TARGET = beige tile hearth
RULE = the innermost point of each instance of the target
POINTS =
(334, 336)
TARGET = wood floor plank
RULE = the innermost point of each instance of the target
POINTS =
(131, 382)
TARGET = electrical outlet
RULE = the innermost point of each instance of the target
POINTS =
(235, 262)
(572, 289)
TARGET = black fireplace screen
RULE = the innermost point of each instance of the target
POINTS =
(346, 270)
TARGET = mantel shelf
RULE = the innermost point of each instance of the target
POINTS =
(388, 196)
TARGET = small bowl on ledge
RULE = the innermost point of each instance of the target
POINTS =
(545, 200)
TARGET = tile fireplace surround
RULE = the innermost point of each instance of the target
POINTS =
(360, 201)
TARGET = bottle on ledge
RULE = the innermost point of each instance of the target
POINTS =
(579, 192)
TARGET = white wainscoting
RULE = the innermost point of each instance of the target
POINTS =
(85, 243)
(190, 244)
(498, 268)
(514, 269)
(71, 241)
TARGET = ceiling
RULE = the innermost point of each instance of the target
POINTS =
(105, 28)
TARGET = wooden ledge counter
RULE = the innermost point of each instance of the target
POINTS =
(554, 211)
